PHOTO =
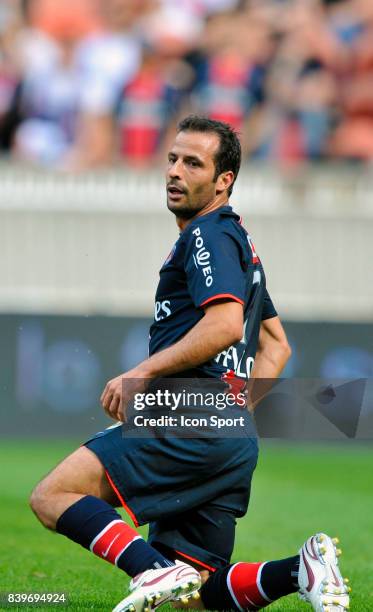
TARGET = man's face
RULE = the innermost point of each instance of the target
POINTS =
(190, 173)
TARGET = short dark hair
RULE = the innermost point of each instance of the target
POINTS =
(228, 155)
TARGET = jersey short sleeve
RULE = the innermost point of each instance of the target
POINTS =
(269, 311)
(214, 267)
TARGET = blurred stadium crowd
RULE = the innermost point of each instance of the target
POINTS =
(95, 82)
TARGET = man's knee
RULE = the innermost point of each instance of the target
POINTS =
(41, 499)
(81, 473)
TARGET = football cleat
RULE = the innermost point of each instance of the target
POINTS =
(320, 581)
(153, 588)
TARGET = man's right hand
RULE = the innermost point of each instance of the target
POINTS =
(119, 392)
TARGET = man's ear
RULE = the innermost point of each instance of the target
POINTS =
(224, 181)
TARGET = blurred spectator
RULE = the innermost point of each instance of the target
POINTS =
(230, 72)
(102, 81)
(353, 138)
(294, 120)
(10, 22)
(151, 101)
(80, 60)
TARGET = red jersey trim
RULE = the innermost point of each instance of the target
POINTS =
(219, 296)
(125, 506)
(212, 569)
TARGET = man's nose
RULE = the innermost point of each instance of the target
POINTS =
(174, 170)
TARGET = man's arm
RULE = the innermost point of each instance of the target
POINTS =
(271, 357)
(221, 327)
(273, 350)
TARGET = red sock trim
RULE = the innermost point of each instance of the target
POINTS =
(212, 569)
(245, 588)
(113, 541)
(125, 506)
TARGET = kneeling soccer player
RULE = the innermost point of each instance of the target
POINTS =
(213, 318)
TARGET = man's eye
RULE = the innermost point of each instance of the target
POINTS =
(194, 164)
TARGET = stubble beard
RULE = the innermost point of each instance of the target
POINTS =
(185, 211)
(182, 212)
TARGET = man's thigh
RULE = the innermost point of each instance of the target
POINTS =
(157, 479)
(80, 472)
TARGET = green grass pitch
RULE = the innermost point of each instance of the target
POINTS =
(297, 490)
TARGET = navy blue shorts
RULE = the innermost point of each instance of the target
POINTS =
(190, 490)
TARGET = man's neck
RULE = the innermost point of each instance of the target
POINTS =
(213, 205)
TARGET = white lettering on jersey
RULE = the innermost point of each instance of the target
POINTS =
(257, 277)
(201, 257)
(162, 310)
(230, 359)
(252, 247)
(244, 339)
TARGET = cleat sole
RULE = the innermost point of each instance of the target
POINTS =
(187, 590)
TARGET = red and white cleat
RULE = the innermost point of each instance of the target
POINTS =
(153, 588)
(320, 581)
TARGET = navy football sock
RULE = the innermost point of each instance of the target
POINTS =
(279, 578)
(94, 524)
(214, 592)
(250, 585)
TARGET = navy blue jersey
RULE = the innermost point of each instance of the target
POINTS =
(213, 259)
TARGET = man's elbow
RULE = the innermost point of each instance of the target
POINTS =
(234, 332)
(278, 352)
(285, 350)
